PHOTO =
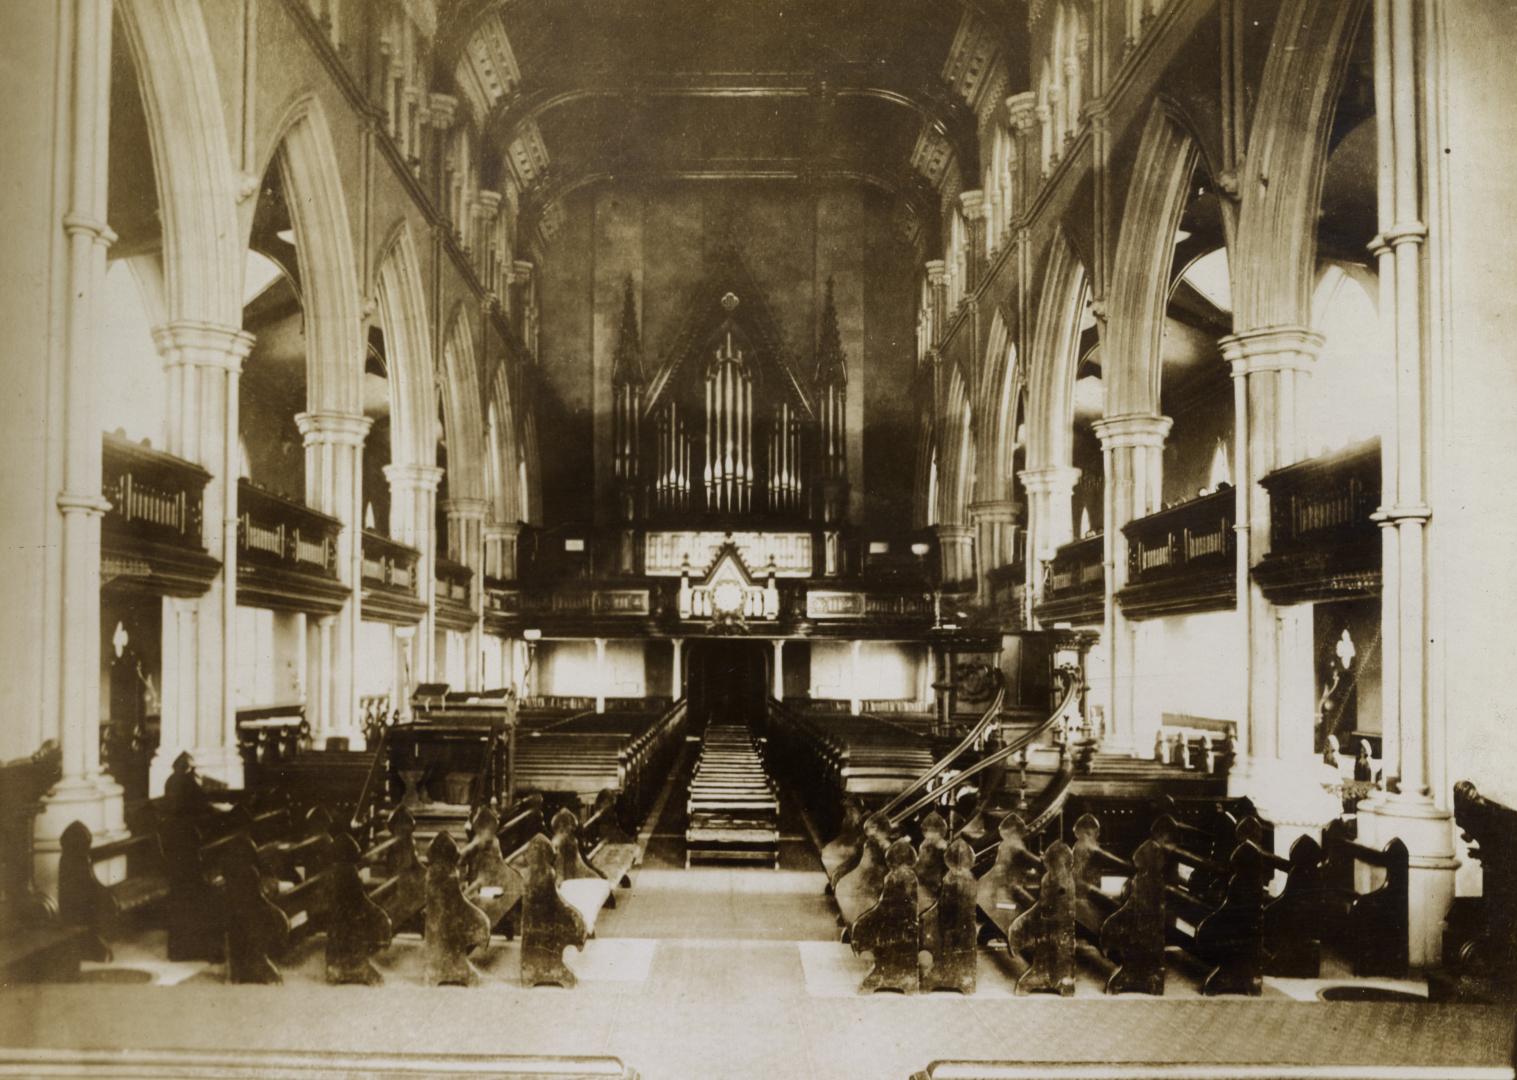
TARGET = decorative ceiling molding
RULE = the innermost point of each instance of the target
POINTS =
(527, 156)
(972, 59)
(487, 72)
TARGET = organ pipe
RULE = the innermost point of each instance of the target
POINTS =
(729, 432)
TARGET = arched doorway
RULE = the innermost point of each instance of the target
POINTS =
(728, 682)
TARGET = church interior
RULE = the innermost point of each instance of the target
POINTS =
(757, 538)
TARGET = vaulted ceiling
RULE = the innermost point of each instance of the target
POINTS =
(879, 92)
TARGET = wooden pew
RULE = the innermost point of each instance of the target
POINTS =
(1368, 925)
(84, 901)
(889, 929)
(1217, 915)
(550, 923)
(948, 927)
(859, 889)
(1030, 899)
(1481, 962)
(1126, 928)
(1292, 925)
(609, 850)
(580, 884)
(455, 927)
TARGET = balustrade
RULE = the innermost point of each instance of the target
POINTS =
(154, 496)
(275, 530)
(1182, 558)
(389, 564)
(1324, 543)
(1075, 586)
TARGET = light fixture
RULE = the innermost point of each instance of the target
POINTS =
(532, 634)
(920, 549)
(287, 235)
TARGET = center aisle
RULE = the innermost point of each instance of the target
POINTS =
(724, 903)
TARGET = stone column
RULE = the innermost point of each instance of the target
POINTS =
(1050, 519)
(83, 792)
(995, 523)
(973, 205)
(500, 549)
(1276, 764)
(677, 669)
(1132, 447)
(1022, 113)
(413, 506)
(202, 365)
(855, 680)
(779, 669)
(466, 544)
(1413, 811)
(955, 554)
(334, 485)
(937, 280)
(602, 677)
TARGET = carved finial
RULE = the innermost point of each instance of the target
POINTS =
(730, 302)
(627, 368)
(830, 366)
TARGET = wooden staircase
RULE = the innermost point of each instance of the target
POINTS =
(733, 805)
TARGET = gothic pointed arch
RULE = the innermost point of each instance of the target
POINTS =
(313, 185)
(1055, 340)
(402, 312)
(1281, 187)
(462, 412)
(957, 458)
(197, 184)
(1166, 158)
(1001, 381)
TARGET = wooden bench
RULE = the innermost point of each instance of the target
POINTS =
(1030, 899)
(890, 929)
(85, 901)
(1215, 912)
(1125, 923)
(1480, 956)
(581, 885)
(609, 850)
(1364, 907)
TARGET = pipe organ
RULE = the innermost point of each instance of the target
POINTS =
(729, 432)
(784, 461)
(671, 483)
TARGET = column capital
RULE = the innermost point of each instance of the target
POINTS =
(333, 428)
(1271, 348)
(489, 201)
(973, 204)
(495, 530)
(937, 271)
(955, 533)
(1021, 110)
(521, 271)
(1050, 480)
(441, 110)
(1132, 429)
(84, 224)
(414, 477)
(466, 508)
(203, 344)
(993, 510)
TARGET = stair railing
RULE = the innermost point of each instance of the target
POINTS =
(363, 809)
(1017, 747)
(982, 726)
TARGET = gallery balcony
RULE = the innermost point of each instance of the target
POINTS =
(391, 572)
(286, 554)
(1182, 559)
(454, 591)
(1075, 590)
(151, 537)
(1323, 541)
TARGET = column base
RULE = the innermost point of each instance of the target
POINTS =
(220, 763)
(96, 801)
(1428, 834)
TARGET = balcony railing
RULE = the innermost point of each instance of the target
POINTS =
(1182, 558)
(389, 564)
(276, 531)
(453, 581)
(154, 496)
(1322, 539)
(1075, 590)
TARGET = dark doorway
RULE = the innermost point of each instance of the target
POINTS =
(729, 683)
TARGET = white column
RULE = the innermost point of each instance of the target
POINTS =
(1276, 765)
(855, 682)
(83, 793)
(202, 365)
(779, 669)
(995, 546)
(466, 544)
(602, 677)
(334, 485)
(1050, 519)
(1412, 812)
(413, 504)
(956, 554)
(677, 669)
(1133, 449)
(500, 550)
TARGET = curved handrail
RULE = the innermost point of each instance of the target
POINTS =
(975, 733)
(361, 808)
(1071, 696)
